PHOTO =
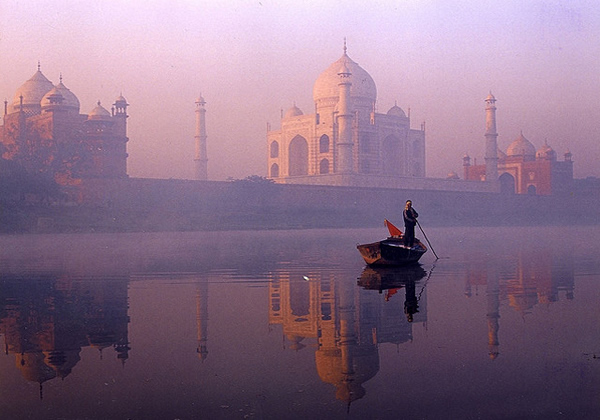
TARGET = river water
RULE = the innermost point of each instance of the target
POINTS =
(292, 325)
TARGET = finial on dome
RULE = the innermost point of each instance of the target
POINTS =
(98, 102)
(345, 47)
(60, 77)
(39, 65)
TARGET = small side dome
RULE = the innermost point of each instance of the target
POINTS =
(120, 100)
(546, 153)
(293, 112)
(71, 100)
(396, 111)
(99, 113)
(452, 175)
(53, 99)
(521, 147)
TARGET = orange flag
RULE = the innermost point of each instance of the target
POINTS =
(394, 231)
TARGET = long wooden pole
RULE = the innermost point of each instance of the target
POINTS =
(427, 239)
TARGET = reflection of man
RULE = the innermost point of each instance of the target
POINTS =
(410, 220)
(411, 304)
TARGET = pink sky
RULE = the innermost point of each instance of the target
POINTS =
(249, 59)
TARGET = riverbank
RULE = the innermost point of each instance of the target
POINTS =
(137, 205)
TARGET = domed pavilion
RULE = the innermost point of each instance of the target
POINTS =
(44, 132)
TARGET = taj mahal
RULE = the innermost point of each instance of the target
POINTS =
(345, 140)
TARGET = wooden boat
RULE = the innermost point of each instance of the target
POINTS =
(392, 251)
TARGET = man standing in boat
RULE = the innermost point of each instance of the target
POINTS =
(410, 220)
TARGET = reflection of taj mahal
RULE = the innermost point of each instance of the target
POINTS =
(345, 322)
(345, 139)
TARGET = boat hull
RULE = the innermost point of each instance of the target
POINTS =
(391, 252)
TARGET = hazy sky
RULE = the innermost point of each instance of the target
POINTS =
(250, 59)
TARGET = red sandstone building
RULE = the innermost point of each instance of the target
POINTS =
(522, 169)
(44, 132)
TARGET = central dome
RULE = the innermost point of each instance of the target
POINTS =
(327, 85)
(521, 147)
(32, 91)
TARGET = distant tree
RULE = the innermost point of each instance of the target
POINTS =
(254, 179)
(16, 183)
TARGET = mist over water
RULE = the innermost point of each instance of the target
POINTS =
(291, 324)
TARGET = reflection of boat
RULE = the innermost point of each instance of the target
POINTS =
(382, 278)
(392, 251)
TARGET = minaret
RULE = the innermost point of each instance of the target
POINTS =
(120, 114)
(120, 131)
(202, 318)
(491, 140)
(201, 158)
(347, 388)
(466, 166)
(493, 311)
(344, 143)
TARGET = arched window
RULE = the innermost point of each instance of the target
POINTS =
(274, 149)
(416, 148)
(274, 170)
(391, 156)
(299, 298)
(298, 154)
(324, 144)
(324, 166)
(531, 190)
(366, 143)
(507, 183)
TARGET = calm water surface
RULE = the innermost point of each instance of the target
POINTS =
(291, 325)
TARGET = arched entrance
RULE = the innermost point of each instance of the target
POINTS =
(324, 166)
(507, 183)
(298, 153)
(391, 156)
(274, 170)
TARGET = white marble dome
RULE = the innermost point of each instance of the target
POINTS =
(396, 111)
(293, 112)
(327, 87)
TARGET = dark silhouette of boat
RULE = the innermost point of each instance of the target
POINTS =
(384, 278)
(392, 251)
